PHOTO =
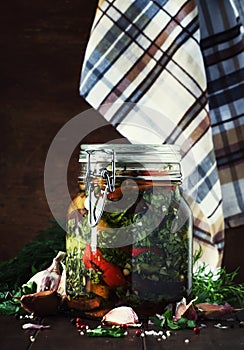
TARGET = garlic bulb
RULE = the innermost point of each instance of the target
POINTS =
(50, 278)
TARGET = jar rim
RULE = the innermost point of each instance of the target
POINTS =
(161, 152)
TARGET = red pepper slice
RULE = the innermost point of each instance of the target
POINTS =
(111, 274)
(138, 251)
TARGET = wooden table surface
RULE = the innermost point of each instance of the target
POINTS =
(63, 335)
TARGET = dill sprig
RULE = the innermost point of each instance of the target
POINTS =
(216, 286)
(33, 257)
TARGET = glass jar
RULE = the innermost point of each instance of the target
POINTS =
(129, 229)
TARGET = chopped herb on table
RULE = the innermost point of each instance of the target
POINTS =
(116, 332)
(166, 320)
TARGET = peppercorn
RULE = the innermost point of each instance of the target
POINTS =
(124, 326)
(196, 330)
(138, 332)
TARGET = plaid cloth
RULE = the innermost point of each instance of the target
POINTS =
(223, 51)
(144, 72)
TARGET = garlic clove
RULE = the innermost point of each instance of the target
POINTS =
(185, 310)
(121, 315)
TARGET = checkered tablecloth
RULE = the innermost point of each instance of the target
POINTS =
(153, 73)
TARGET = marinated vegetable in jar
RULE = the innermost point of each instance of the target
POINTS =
(129, 230)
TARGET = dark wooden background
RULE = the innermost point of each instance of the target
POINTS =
(42, 47)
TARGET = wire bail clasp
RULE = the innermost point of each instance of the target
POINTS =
(97, 203)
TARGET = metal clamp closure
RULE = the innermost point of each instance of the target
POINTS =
(97, 203)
